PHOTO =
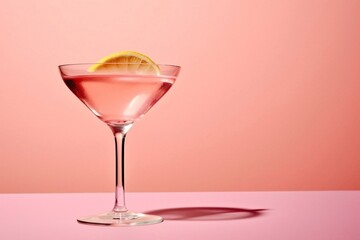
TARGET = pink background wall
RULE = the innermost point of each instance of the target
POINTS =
(268, 97)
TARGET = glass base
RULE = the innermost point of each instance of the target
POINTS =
(121, 219)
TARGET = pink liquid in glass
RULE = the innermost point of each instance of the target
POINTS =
(119, 99)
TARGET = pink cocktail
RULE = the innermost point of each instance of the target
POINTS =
(119, 98)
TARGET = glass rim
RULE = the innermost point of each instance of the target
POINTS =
(93, 63)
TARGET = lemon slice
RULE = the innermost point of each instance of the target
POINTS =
(126, 62)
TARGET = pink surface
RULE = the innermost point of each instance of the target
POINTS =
(224, 215)
(268, 97)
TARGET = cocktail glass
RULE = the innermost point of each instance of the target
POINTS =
(119, 94)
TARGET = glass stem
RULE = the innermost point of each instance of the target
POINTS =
(119, 206)
(120, 134)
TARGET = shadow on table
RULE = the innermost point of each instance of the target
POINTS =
(206, 213)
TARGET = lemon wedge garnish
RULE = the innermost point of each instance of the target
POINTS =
(126, 62)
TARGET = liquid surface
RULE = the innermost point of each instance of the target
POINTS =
(118, 99)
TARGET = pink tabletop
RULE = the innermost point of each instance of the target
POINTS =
(222, 215)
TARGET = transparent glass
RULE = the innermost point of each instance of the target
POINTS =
(119, 95)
